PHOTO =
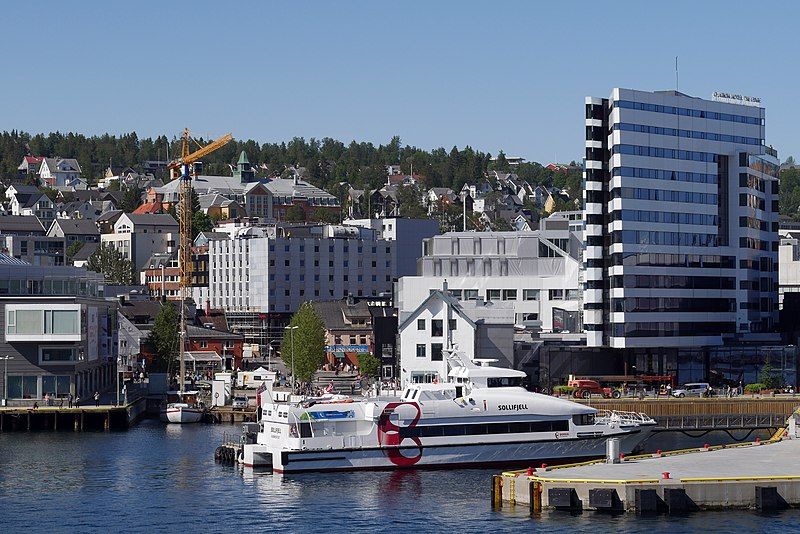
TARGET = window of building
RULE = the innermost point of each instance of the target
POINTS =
(530, 294)
(23, 387)
(470, 294)
(437, 328)
(509, 294)
(436, 352)
(492, 294)
(573, 294)
(204, 344)
(421, 352)
(420, 324)
(451, 324)
(556, 294)
(56, 354)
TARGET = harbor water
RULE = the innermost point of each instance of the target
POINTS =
(157, 477)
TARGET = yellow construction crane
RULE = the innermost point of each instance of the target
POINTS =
(184, 169)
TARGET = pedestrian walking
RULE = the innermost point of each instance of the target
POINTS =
(69, 400)
(96, 399)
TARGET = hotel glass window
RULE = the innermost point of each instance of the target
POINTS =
(23, 387)
(57, 386)
(421, 352)
(437, 328)
(509, 294)
(436, 352)
(573, 294)
(420, 324)
(530, 294)
(492, 294)
(470, 294)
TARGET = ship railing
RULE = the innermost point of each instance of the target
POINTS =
(622, 418)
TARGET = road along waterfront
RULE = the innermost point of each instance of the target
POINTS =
(160, 477)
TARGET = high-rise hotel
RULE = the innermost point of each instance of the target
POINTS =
(681, 210)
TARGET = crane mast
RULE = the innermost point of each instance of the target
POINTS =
(186, 172)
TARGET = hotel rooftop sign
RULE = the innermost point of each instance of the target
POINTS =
(731, 98)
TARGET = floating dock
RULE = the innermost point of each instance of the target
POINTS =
(761, 475)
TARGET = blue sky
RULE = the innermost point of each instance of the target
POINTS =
(492, 75)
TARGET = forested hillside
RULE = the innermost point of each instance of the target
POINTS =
(328, 161)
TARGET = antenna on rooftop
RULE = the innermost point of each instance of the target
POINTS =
(676, 73)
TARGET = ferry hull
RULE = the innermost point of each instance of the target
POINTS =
(181, 415)
(433, 456)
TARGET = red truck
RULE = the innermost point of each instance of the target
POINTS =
(584, 388)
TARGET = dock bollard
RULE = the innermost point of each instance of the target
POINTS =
(529, 471)
(612, 451)
(544, 467)
(706, 446)
(665, 475)
(657, 454)
(758, 441)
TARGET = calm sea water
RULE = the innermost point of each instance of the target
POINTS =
(157, 477)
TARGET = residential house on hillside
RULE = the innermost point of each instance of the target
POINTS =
(439, 196)
(295, 192)
(23, 237)
(218, 207)
(106, 221)
(139, 236)
(27, 200)
(71, 230)
(29, 166)
(61, 172)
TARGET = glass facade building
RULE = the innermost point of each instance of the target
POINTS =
(681, 207)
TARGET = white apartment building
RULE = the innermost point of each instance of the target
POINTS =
(274, 269)
(407, 235)
(538, 273)
(681, 204)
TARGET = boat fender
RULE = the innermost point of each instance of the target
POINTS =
(218, 454)
(240, 456)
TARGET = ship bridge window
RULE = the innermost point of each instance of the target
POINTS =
(446, 394)
(517, 427)
(504, 382)
(583, 419)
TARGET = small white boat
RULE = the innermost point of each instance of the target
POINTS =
(182, 407)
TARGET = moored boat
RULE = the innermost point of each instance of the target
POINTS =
(182, 407)
(481, 416)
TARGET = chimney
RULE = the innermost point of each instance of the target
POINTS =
(444, 286)
(208, 308)
(121, 299)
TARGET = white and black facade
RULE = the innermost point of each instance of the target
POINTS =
(681, 209)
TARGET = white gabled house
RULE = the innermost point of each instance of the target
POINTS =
(480, 330)
(61, 172)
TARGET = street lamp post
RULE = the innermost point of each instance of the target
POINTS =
(119, 363)
(5, 377)
(291, 330)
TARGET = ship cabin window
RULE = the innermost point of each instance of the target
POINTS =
(445, 394)
(583, 419)
(504, 382)
(459, 391)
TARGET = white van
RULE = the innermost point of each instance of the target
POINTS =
(693, 389)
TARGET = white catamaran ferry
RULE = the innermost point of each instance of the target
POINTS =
(481, 416)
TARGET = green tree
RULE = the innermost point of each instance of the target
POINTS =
(73, 248)
(112, 264)
(769, 376)
(309, 343)
(164, 337)
(327, 216)
(295, 214)
(369, 365)
(131, 199)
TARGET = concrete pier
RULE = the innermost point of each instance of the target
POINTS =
(755, 475)
(78, 419)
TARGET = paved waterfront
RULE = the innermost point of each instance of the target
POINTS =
(775, 459)
(155, 478)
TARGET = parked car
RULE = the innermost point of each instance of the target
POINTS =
(240, 403)
(694, 389)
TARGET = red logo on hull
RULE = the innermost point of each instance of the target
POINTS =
(389, 435)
